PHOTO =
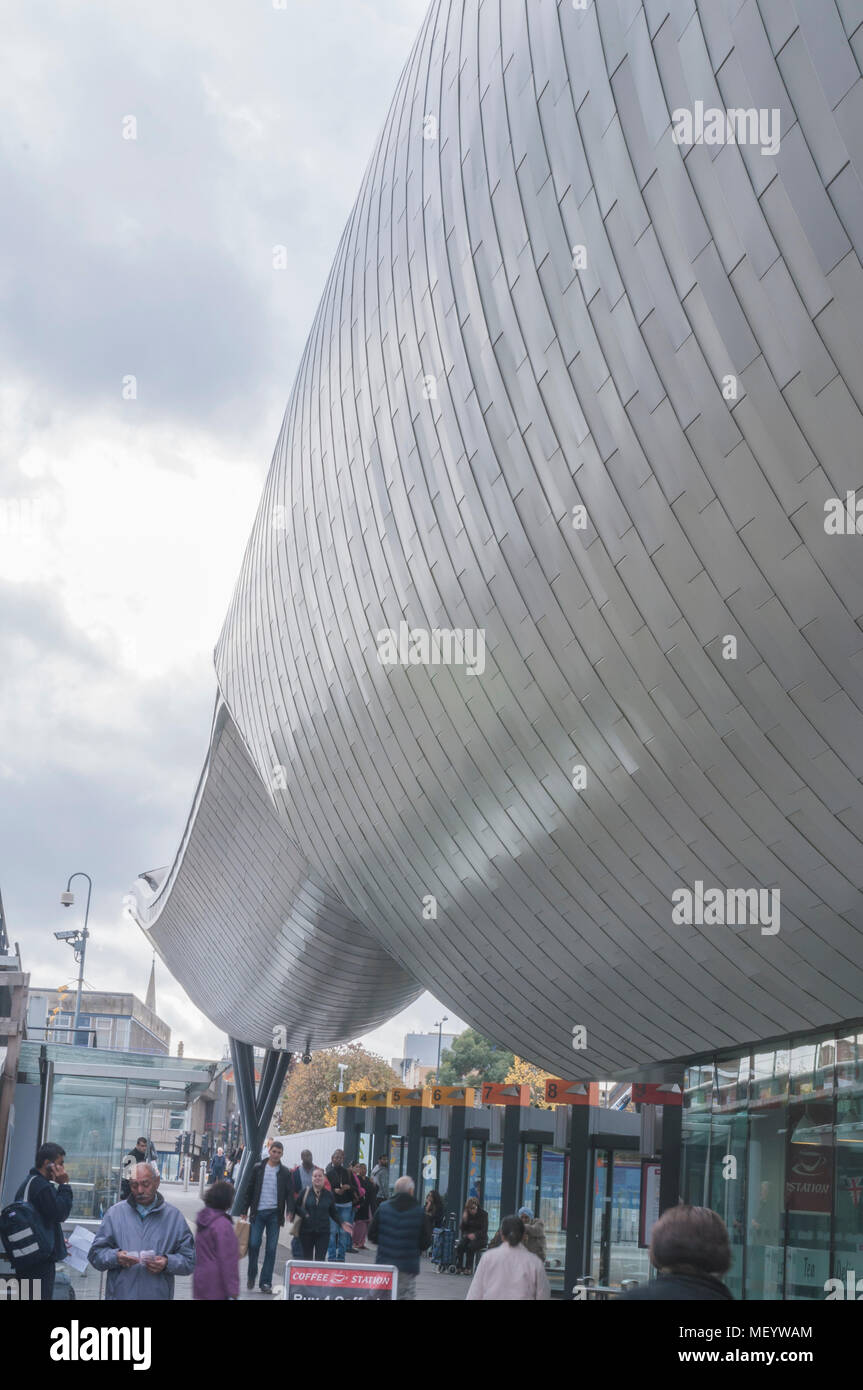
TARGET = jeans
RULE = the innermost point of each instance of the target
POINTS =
(339, 1239)
(264, 1221)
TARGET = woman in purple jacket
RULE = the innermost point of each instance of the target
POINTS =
(217, 1264)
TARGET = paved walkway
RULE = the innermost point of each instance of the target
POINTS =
(430, 1284)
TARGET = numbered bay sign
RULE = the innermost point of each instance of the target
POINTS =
(404, 1095)
(453, 1095)
(656, 1093)
(506, 1093)
(343, 1098)
(367, 1099)
(338, 1283)
(559, 1092)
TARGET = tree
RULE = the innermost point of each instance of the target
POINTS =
(521, 1072)
(305, 1101)
(473, 1059)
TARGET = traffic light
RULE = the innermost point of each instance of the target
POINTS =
(178, 1143)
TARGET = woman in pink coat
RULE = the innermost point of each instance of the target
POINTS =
(217, 1256)
(510, 1273)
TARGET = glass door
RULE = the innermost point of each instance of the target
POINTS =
(625, 1259)
(600, 1225)
(614, 1251)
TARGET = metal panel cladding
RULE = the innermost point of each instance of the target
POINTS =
(552, 607)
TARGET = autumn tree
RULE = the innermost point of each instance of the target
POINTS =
(521, 1072)
(305, 1100)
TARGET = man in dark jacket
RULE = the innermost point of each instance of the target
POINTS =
(218, 1167)
(52, 1204)
(345, 1195)
(399, 1230)
(271, 1196)
(139, 1154)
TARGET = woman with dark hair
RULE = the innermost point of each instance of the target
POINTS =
(690, 1251)
(217, 1258)
(317, 1208)
(510, 1272)
(362, 1210)
(433, 1211)
(474, 1235)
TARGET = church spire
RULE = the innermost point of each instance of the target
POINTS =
(150, 1000)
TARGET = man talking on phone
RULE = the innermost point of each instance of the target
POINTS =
(53, 1204)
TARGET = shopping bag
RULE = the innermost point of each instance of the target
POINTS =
(242, 1228)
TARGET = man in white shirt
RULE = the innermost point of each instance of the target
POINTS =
(271, 1198)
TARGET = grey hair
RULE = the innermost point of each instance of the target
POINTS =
(153, 1168)
(404, 1184)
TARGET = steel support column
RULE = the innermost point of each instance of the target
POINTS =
(256, 1109)
(578, 1197)
(414, 1137)
(454, 1196)
(510, 1166)
(671, 1154)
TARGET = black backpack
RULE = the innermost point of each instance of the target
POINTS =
(25, 1238)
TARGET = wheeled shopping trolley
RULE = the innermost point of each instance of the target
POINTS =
(443, 1247)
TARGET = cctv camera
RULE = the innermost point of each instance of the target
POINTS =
(307, 1057)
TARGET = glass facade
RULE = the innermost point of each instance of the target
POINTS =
(96, 1108)
(773, 1141)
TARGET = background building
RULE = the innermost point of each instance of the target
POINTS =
(419, 1056)
(119, 1021)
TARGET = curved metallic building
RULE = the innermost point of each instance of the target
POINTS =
(547, 299)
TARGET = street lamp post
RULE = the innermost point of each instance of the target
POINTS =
(343, 1066)
(439, 1027)
(78, 941)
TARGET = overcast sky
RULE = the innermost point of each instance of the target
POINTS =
(125, 504)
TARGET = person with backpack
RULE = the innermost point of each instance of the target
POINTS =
(32, 1225)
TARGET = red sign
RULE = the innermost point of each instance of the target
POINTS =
(656, 1093)
(340, 1283)
(558, 1092)
(809, 1178)
(506, 1093)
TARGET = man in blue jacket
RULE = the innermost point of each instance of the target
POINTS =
(399, 1230)
(145, 1224)
(53, 1204)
